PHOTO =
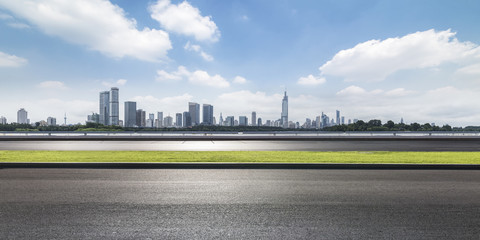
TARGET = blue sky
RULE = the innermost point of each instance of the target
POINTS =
(419, 60)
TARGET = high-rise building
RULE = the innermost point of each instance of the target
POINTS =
(178, 120)
(318, 122)
(242, 121)
(230, 121)
(194, 110)
(220, 120)
(114, 107)
(22, 116)
(187, 120)
(150, 123)
(3, 120)
(343, 120)
(130, 119)
(140, 120)
(337, 119)
(254, 118)
(259, 122)
(160, 120)
(104, 108)
(94, 118)
(207, 114)
(168, 121)
(51, 121)
(284, 116)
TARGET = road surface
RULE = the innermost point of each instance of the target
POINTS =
(239, 204)
(242, 145)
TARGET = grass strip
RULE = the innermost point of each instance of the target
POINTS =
(243, 157)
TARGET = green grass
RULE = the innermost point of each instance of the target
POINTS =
(242, 156)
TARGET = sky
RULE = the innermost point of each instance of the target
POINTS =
(387, 60)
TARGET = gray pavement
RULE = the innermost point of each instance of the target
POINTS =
(251, 145)
(238, 204)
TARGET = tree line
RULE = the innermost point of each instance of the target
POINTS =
(372, 125)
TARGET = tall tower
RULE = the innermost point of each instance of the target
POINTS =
(254, 118)
(22, 116)
(337, 119)
(194, 110)
(284, 118)
(104, 108)
(207, 114)
(130, 119)
(114, 108)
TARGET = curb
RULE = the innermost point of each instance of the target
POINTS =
(243, 166)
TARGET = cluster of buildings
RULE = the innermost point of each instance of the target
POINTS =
(109, 107)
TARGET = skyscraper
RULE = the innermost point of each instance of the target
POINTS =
(51, 121)
(104, 108)
(337, 122)
(114, 107)
(220, 120)
(140, 118)
(22, 116)
(187, 120)
(159, 119)
(230, 121)
(168, 121)
(242, 121)
(3, 120)
(284, 117)
(259, 122)
(254, 118)
(207, 114)
(130, 119)
(178, 120)
(194, 110)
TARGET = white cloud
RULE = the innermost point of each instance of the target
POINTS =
(198, 77)
(166, 105)
(398, 92)
(53, 85)
(165, 76)
(351, 90)
(375, 60)
(7, 60)
(473, 69)
(97, 24)
(198, 49)
(119, 82)
(203, 78)
(4, 16)
(311, 80)
(184, 19)
(19, 25)
(239, 80)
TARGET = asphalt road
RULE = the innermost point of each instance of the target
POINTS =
(242, 145)
(239, 204)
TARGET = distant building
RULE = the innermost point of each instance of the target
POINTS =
(3, 120)
(22, 116)
(168, 121)
(150, 123)
(284, 115)
(104, 108)
(159, 119)
(94, 118)
(187, 120)
(220, 120)
(51, 121)
(254, 118)
(337, 119)
(194, 110)
(259, 122)
(130, 112)
(343, 120)
(140, 120)
(242, 121)
(230, 121)
(207, 114)
(114, 107)
(178, 120)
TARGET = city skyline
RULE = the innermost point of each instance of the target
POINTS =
(372, 60)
